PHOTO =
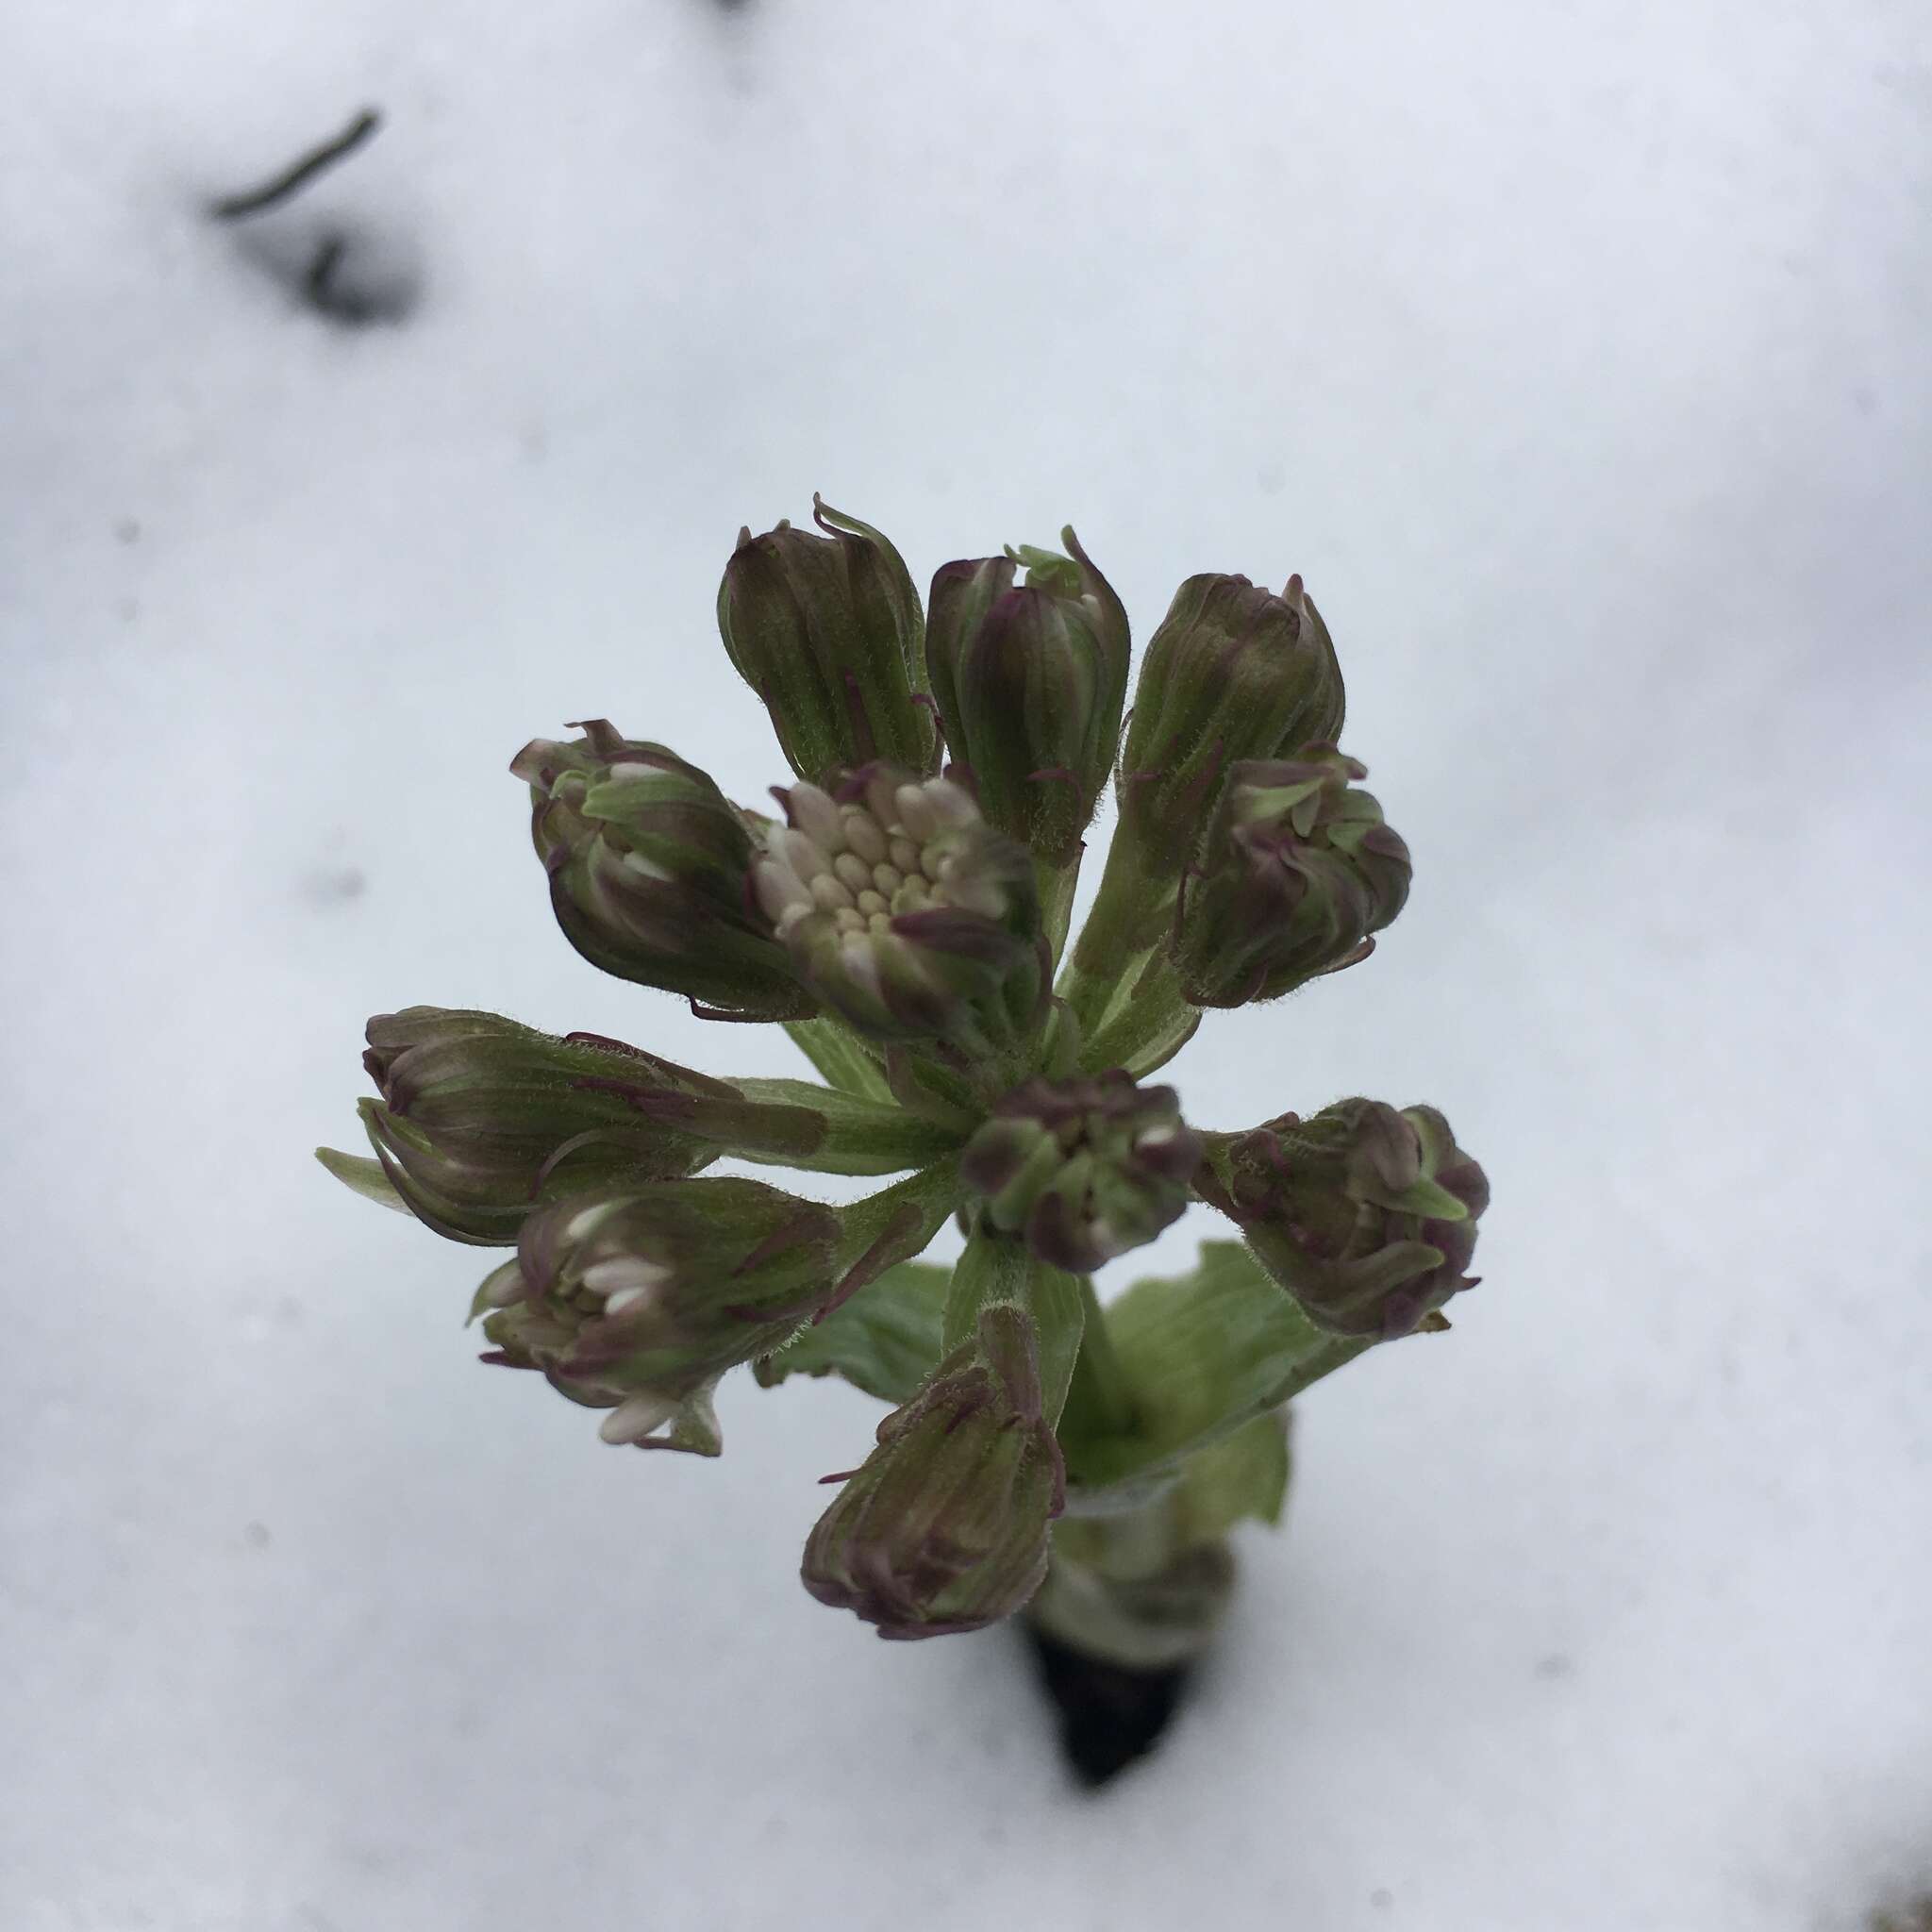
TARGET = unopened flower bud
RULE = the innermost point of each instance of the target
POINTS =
(829, 633)
(481, 1119)
(1084, 1169)
(1029, 681)
(649, 868)
(904, 911)
(944, 1528)
(1365, 1215)
(1235, 672)
(1297, 872)
(638, 1298)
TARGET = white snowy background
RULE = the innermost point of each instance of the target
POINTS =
(1577, 356)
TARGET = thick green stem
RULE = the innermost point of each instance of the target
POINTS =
(1145, 1032)
(895, 1223)
(859, 1136)
(1056, 884)
(1336, 1352)
(1126, 920)
(995, 1268)
(839, 1057)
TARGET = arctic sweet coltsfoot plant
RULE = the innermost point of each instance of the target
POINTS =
(905, 921)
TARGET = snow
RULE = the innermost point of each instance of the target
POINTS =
(1576, 354)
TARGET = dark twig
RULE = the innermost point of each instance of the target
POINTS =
(292, 179)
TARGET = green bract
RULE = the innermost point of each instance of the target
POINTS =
(905, 924)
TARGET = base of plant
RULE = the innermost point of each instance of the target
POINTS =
(1117, 1645)
(1139, 1619)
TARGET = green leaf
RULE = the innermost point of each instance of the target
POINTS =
(839, 1059)
(1201, 1355)
(1242, 1475)
(364, 1176)
(885, 1340)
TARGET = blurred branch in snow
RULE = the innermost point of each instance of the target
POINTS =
(298, 175)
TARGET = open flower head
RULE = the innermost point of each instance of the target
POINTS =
(904, 911)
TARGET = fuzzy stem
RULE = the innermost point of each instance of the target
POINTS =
(995, 1268)
(1125, 920)
(894, 1226)
(1055, 885)
(1145, 1033)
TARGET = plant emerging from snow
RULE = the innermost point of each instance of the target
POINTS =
(906, 926)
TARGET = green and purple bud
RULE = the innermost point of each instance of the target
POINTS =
(1029, 682)
(904, 912)
(650, 872)
(636, 1299)
(1084, 1170)
(481, 1120)
(829, 633)
(946, 1527)
(1366, 1216)
(1297, 872)
(1235, 672)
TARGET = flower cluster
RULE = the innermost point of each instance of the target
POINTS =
(905, 920)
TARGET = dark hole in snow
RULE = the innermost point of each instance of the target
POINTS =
(1109, 1716)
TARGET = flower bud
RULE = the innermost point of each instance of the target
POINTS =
(1298, 870)
(1365, 1215)
(1084, 1169)
(649, 868)
(944, 1528)
(828, 631)
(1235, 672)
(638, 1298)
(1029, 682)
(481, 1119)
(904, 912)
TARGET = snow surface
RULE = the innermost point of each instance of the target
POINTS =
(1577, 356)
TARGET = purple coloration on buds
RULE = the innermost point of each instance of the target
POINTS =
(1084, 1169)
(637, 1299)
(828, 631)
(1365, 1215)
(649, 868)
(904, 912)
(1235, 672)
(944, 1528)
(481, 1120)
(1298, 870)
(1031, 681)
